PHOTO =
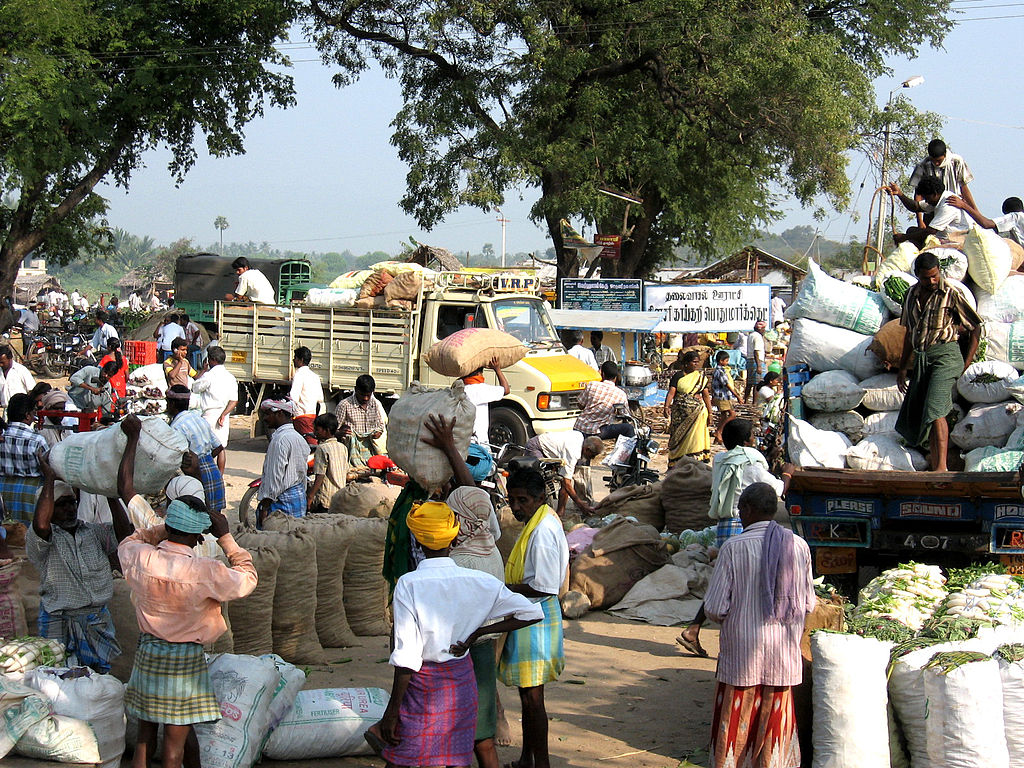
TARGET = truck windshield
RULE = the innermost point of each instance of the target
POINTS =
(526, 319)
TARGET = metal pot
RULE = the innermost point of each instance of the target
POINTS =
(635, 374)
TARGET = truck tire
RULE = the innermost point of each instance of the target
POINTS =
(507, 426)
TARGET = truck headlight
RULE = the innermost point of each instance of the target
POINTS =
(548, 401)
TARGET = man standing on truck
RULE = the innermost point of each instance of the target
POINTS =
(933, 314)
(1010, 224)
(947, 167)
(252, 284)
(362, 422)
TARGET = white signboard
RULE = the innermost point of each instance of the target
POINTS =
(709, 308)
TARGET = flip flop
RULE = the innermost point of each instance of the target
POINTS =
(376, 742)
(693, 646)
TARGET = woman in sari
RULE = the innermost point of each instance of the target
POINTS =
(688, 406)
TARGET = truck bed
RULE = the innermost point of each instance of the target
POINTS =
(889, 484)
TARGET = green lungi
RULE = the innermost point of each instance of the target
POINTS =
(930, 394)
(485, 668)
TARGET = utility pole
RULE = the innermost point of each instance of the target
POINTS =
(503, 221)
(910, 82)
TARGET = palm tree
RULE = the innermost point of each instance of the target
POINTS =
(221, 223)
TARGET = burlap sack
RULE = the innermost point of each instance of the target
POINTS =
(510, 530)
(465, 351)
(27, 586)
(622, 553)
(888, 343)
(405, 287)
(640, 501)
(370, 499)
(370, 302)
(402, 304)
(252, 616)
(226, 642)
(826, 615)
(15, 533)
(366, 592)
(333, 535)
(126, 629)
(686, 496)
(574, 605)
(375, 284)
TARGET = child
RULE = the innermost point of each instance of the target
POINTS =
(723, 393)
(769, 387)
(330, 463)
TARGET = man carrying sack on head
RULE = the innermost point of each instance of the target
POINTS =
(177, 597)
(440, 611)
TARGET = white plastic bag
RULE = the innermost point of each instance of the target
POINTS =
(986, 425)
(244, 686)
(288, 686)
(1005, 305)
(827, 348)
(327, 723)
(810, 447)
(987, 382)
(881, 423)
(888, 285)
(989, 260)
(21, 707)
(832, 301)
(60, 739)
(89, 460)
(1011, 674)
(881, 393)
(427, 465)
(885, 452)
(1005, 341)
(833, 391)
(989, 458)
(952, 263)
(149, 376)
(97, 699)
(849, 698)
(850, 423)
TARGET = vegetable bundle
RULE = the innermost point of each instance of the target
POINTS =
(21, 654)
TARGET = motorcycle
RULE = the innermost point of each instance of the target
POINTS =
(635, 468)
(510, 458)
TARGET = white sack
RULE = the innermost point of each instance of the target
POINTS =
(427, 465)
(975, 385)
(149, 376)
(20, 708)
(964, 291)
(881, 393)
(1005, 305)
(1005, 341)
(989, 260)
(1011, 674)
(881, 423)
(885, 452)
(290, 682)
(327, 723)
(832, 301)
(89, 460)
(97, 699)
(986, 425)
(827, 348)
(244, 686)
(810, 447)
(952, 263)
(989, 458)
(887, 290)
(849, 701)
(965, 716)
(833, 391)
(1016, 390)
(332, 297)
(60, 739)
(850, 423)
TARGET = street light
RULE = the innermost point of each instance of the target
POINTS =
(503, 221)
(911, 82)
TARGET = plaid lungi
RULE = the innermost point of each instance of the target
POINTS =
(533, 655)
(19, 495)
(170, 684)
(213, 482)
(437, 719)
(87, 634)
(292, 501)
(726, 528)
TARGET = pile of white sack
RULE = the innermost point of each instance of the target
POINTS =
(850, 338)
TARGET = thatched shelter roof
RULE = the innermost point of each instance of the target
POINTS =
(435, 258)
(27, 287)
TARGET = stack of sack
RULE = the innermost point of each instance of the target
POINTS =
(385, 285)
(844, 334)
(147, 389)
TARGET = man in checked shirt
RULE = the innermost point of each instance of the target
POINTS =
(20, 476)
(362, 423)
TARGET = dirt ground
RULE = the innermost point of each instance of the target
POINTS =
(629, 696)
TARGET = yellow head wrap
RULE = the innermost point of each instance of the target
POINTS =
(433, 524)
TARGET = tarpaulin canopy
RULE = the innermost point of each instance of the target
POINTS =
(616, 322)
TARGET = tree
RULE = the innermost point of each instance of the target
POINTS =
(221, 223)
(694, 108)
(86, 87)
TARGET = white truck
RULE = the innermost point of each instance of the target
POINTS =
(390, 344)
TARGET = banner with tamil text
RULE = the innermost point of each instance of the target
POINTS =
(709, 307)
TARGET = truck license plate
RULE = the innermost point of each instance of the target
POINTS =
(239, 356)
(1014, 563)
(832, 560)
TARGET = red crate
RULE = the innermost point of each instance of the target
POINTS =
(140, 352)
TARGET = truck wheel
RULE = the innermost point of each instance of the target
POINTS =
(507, 426)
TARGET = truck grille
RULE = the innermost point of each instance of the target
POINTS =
(574, 400)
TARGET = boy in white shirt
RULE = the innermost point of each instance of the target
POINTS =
(1010, 224)
(307, 392)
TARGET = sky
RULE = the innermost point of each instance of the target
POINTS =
(323, 176)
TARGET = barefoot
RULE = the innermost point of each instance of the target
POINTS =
(502, 733)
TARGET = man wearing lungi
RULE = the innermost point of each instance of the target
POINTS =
(933, 314)
(201, 441)
(536, 568)
(74, 560)
(283, 488)
(177, 597)
(760, 592)
(440, 611)
(20, 477)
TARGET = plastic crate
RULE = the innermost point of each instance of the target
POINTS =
(140, 352)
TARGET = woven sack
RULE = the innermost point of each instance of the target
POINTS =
(252, 616)
(686, 496)
(372, 499)
(405, 287)
(366, 591)
(467, 350)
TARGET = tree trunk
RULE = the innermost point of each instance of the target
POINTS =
(12, 253)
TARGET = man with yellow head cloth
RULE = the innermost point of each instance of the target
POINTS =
(440, 610)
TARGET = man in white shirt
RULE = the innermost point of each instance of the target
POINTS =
(307, 392)
(756, 350)
(16, 377)
(194, 337)
(252, 284)
(440, 611)
(75, 296)
(778, 309)
(216, 390)
(946, 219)
(571, 447)
(481, 394)
(581, 353)
(169, 330)
(104, 332)
(134, 302)
(948, 168)
(1010, 224)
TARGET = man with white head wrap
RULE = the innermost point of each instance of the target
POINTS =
(283, 487)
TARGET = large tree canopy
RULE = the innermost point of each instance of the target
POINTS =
(86, 87)
(701, 109)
